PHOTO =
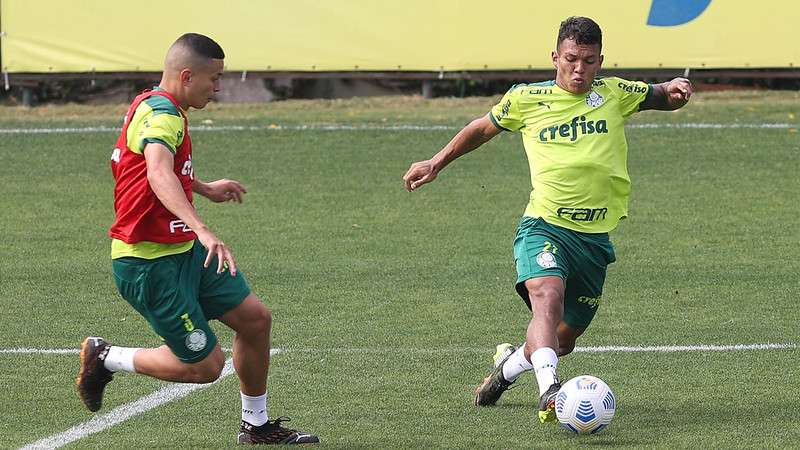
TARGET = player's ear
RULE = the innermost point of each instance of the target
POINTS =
(601, 60)
(554, 56)
(186, 76)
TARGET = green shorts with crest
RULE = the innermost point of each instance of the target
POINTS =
(178, 296)
(580, 259)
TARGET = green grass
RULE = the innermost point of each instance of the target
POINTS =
(389, 304)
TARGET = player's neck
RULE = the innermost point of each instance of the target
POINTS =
(174, 88)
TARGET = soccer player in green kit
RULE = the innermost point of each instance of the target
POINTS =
(167, 262)
(574, 137)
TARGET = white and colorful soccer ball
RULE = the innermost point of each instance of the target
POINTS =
(585, 404)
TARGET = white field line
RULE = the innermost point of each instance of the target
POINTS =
(54, 351)
(124, 412)
(51, 351)
(422, 351)
(599, 349)
(685, 348)
(368, 127)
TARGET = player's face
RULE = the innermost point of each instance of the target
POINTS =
(576, 65)
(204, 83)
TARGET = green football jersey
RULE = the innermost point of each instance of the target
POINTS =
(576, 149)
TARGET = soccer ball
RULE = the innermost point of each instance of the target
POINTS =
(585, 404)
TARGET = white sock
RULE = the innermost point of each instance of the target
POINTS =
(120, 358)
(254, 409)
(516, 364)
(544, 363)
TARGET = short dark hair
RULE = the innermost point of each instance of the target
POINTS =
(201, 45)
(583, 30)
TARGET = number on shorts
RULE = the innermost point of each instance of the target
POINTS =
(187, 322)
(548, 246)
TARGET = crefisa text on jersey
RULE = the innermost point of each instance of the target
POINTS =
(632, 88)
(570, 129)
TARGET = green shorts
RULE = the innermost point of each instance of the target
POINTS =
(178, 296)
(580, 259)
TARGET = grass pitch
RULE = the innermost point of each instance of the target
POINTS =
(388, 304)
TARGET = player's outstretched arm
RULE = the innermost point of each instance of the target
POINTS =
(668, 96)
(477, 133)
(223, 190)
(167, 187)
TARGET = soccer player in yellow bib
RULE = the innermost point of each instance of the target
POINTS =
(573, 132)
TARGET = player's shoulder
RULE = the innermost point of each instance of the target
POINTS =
(157, 110)
(531, 89)
(159, 104)
(619, 85)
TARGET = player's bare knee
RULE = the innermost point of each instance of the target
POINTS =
(546, 304)
(548, 290)
(260, 321)
(200, 373)
(209, 369)
(545, 295)
(210, 374)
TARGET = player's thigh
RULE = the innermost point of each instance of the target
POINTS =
(218, 293)
(583, 294)
(539, 255)
(590, 255)
(164, 292)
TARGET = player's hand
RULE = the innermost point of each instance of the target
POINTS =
(419, 173)
(225, 190)
(216, 248)
(678, 91)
